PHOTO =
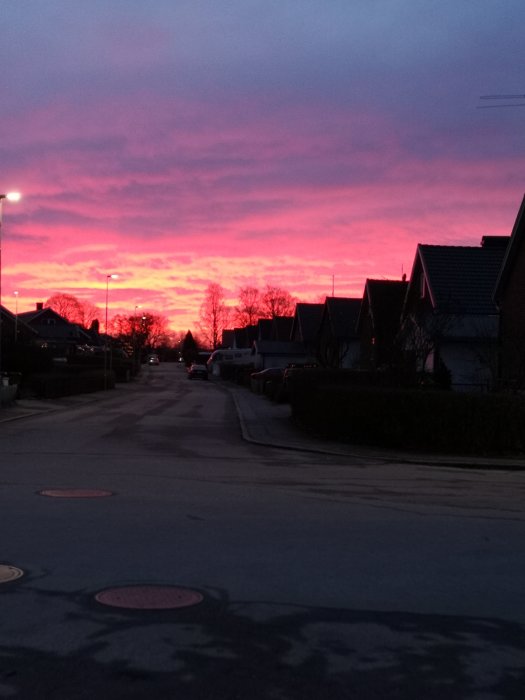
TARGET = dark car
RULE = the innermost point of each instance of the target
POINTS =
(198, 372)
(267, 381)
(268, 373)
(153, 359)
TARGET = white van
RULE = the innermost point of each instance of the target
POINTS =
(228, 356)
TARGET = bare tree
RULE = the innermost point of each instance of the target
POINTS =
(73, 309)
(67, 305)
(248, 310)
(214, 314)
(88, 313)
(277, 302)
(419, 341)
(144, 331)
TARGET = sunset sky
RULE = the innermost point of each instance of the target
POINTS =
(250, 142)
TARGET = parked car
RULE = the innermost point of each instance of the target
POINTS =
(267, 381)
(153, 359)
(198, 372)
(268, 373)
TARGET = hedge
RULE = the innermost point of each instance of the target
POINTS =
(52, 385)
(408, 419)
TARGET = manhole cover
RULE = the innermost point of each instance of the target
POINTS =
(149, 597)
(9, 573)
(75, 493)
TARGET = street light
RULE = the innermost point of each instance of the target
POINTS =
(11, 197)
(108, 277)
(134, 338)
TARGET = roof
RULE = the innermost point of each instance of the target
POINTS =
(61, 329)
(264, 329)
(461, 279)
(342, 313)
(307, 321)
(14, 319)
(282, 327)
(385, 300)
(516, 241)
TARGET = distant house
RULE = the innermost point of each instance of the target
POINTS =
(54, 331)
(450, 320)
(379, 322)
(243, 337)
(16, 339)
(228, 338)
(282, 328)
(509, 296)
(264, 329)
(338, 344)
(305, 328)
(273, 347)
(15, 329)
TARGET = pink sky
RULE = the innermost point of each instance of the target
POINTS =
(186, 145)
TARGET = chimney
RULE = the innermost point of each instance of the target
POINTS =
(39, 305)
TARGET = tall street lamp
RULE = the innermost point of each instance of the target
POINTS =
(108, 277)
(135, 353)
(11, 197)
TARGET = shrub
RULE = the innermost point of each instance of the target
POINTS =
(438, 421)
(52, 385)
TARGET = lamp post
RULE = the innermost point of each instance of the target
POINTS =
(108, 277)
(135, 353)
(11, 197)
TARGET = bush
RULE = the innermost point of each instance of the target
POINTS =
(437, 421)
(52, 385)
(240, 374)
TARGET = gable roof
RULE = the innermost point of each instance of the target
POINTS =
(50, 324)
(306, 321)
(384, 299)
(38, 314)
(282, 327)
(461, 279)
(515, 245)
(264, 329)
(11, 319)
(342, 314)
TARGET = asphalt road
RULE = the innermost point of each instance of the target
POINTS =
(322, 576)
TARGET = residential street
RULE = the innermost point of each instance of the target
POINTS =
(321, 575)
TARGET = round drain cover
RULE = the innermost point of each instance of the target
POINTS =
(75, 493)
(149, 597)
(9, 573)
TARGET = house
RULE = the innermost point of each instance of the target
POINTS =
(278, 353)
(379, 322)
(54, 331)
(305, 327)
(338, 344)
(228, 338)
(281, 328)
(16, 339)
(450, 320)
(14, 329)
(273, 347)
(509, 295)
